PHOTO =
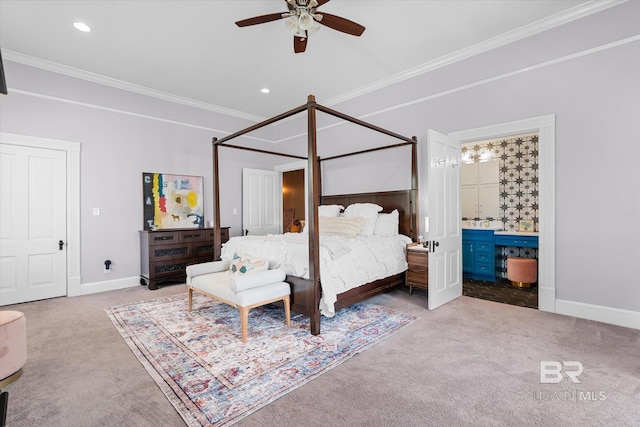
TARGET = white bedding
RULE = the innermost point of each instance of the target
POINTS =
(345, 262)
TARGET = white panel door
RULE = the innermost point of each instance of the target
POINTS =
(443, 209)
(261, 201)
(33, 208)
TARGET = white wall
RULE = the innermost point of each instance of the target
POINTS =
(584, 72)
(122, 135)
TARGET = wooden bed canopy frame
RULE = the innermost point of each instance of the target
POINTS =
(306, 293)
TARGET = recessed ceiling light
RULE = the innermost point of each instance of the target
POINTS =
(265, 90)
(81, 26)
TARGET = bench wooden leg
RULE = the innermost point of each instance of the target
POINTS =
(190, 297)
(287, 309)
(244, 322)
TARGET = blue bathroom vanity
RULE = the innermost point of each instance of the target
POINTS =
(481, 247)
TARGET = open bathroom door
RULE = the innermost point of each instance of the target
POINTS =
(443, 211)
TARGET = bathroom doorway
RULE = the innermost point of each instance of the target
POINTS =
(293, 201)
(499, 180)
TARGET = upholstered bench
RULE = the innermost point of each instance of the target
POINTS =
(13, 353)
(244, 292)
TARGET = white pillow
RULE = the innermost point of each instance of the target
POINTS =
(329, 210)
(341, 226)
(369, 211)
(387, 224)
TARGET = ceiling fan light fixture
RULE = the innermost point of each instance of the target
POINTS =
(294, 27)
(305, 21)
(301, 18)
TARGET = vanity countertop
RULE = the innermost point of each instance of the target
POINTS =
(496, 228)
(518, 233)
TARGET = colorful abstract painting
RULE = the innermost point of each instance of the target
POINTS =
(172, 201)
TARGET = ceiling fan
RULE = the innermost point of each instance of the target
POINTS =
(302, 17)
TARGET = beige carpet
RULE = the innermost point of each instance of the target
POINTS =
(471, 362)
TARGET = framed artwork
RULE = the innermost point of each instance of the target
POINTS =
(172, 201)
(526, 225)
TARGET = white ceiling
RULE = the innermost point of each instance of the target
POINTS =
(192, 50)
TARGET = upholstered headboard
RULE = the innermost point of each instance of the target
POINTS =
(389, 200)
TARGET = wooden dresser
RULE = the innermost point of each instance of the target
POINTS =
(165, 254)
(418, 272)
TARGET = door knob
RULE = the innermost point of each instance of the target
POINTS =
(60, 244)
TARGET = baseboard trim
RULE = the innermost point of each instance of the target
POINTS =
(547, 298)
(109, 285)
(614, 316)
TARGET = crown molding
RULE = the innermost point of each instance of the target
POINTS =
(43, 64)
(561, 18)
(564, 17)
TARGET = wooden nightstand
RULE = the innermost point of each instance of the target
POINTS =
(418, 272)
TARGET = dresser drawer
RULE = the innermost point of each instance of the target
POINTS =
(164, 238)
(161, 253)
(203, 249)
(484, 248)
(485, 268)
(159, 270)
(484, 258)
(517, 241)
(197, 235)
(224, 234)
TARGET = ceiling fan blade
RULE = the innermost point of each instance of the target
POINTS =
(299, 44)
(341, 24)
(259, 19)
(321, 2)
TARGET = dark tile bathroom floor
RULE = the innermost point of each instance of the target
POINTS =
(501, 291)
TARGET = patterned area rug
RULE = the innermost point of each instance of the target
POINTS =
(211, 378)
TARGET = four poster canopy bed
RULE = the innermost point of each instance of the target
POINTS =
(309, 295)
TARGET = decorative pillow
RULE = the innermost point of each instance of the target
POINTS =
(326, 211)
(342, 226)
(369, 211)
(240, 266)
(329, 210)
(248, 281)
(387, 224)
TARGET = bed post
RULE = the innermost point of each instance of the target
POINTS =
(414, 189)
(313, 200)
(217, 241)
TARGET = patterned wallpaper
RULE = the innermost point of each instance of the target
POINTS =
(518, 157)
